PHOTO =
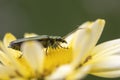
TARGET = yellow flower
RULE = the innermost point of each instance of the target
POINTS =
(80, 58)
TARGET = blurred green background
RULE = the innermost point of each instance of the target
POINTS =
(58, 17)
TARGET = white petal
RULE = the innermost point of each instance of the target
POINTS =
(106, 58)
(60, 73)
(107, 48)
(33, 53)
(7, 39)
(86, 39)
(6, 72)
(107, 64)
(6, 42)
(12, 64)
(30, 35)
(79, 73)
(104, 50)
(111, 74)
(4, 58)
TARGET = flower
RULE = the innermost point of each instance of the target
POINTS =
(81, 57)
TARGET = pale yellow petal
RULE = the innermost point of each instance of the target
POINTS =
(107, 48)
(17, 66)
(34, 54)
(13, 60)
(60, 73)
(8, 38)
(11, 73)
(104, 50)
(79, 73)
(30, 35)
(4, 58)
(70, 38)
(86, 39)
(5, 73)
(107, 63)
(106, 59)
(69, 73)
(2, 48)
(108, 74)
(6, 42)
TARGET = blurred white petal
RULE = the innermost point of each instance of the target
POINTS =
(4, 58)
(109, 63)
(33, 53)
(6, 42)
(86, 39)
(60, 73)
(26, 35)
(108, 74)
(79, 73)
(107, 48)
(106, 59)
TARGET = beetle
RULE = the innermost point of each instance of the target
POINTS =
(47, 41)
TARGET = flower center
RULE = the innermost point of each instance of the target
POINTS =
(55, 58)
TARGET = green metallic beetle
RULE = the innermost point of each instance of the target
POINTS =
(47, 41)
